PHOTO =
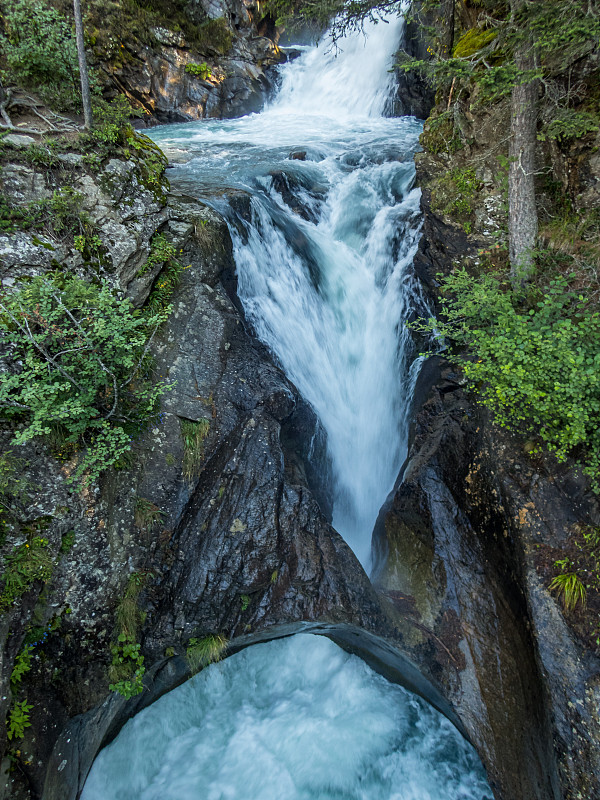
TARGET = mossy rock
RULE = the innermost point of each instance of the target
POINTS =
(472, 41)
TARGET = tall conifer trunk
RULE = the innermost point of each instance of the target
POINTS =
(83, 72)
(522, 211)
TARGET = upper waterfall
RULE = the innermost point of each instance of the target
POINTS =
(350, 79)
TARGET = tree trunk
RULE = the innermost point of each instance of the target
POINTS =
(522, 211)
(447, 39)
(83, 71)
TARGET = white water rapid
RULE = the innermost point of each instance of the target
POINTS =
(295, 719)
(324, 256)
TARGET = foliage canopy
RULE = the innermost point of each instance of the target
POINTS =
(80, 363)
(39, 48)
(534, 363)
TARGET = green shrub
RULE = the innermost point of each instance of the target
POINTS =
(21, 667)
(536, 364)
(567, 124)
(27, 563)
(40, 51)
(199, 70)
(161, 252)
(111, 121)
(81, 363)
(127, 667)
(18, 720)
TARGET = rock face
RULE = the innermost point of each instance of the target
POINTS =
(161, 72)
(468, 537)
(118, 200)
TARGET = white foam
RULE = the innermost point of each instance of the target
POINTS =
(295, 719)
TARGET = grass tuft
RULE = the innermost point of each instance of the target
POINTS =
(202, 652)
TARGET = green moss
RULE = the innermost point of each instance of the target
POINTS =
(215, 36)
(453, 195)
(473, 41)
(440, 135)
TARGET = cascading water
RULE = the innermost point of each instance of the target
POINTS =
(324, 261)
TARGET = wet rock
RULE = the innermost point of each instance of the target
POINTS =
(299, 192)
(125, 212)
(413, 94)
(238, 81)
(460, 536)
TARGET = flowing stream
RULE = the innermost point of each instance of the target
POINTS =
(323, 247)
(318, 191)
(295, 719)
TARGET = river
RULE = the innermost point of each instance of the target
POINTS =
(324, 240)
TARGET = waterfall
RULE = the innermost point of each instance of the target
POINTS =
(354, 81)
(323, 247)
(324, 262)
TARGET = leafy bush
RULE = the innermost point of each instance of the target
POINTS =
(127, 661)
(567, 124)
(111, 120)
(535, 364)
(21, 667)
(199, 70)
(18, 720)
(81, 363)
(27, 563)
(40, 50)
